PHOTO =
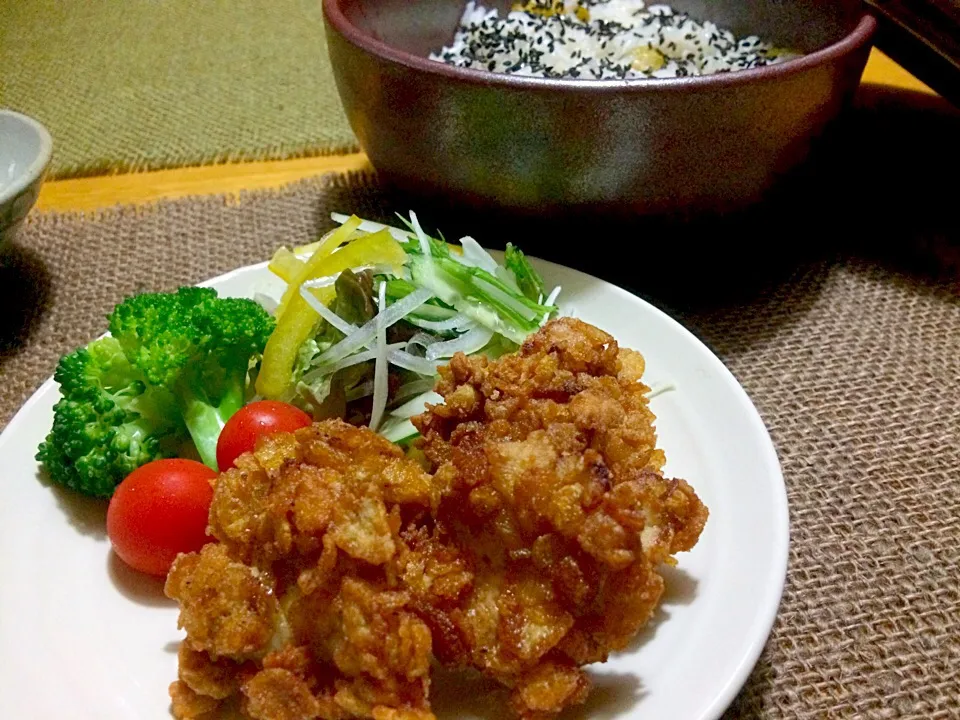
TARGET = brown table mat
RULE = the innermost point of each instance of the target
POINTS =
(854, 364)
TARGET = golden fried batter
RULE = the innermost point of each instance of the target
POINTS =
(300, 596)
(226, 608)
(553, 493)
(343, 569)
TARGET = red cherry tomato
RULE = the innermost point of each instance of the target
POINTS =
(158, 511)
(263, 417)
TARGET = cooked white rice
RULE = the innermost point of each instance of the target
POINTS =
(600, 39)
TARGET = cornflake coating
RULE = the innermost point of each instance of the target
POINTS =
(297, 611)
(553, 493)
(343, 569)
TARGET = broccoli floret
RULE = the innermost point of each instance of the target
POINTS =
(173, 371)
(108, 422)
(199, 347)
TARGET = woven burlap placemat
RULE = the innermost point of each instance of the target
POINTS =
(853, 363)
(143, 84)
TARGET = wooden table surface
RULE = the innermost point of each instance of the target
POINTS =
(87, 194)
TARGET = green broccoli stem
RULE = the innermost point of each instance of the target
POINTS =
(203, 418)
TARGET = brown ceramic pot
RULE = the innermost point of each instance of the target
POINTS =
(714, 143)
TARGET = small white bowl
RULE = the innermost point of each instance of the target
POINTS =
(25, 149)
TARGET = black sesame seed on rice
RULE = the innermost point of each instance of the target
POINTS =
(599, 39)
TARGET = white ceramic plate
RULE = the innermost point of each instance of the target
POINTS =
(82, 637)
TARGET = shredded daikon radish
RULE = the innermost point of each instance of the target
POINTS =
(421, 235)
(380, 388)
(326, 313)
(266, 302)
(475, 255)
(468, 343)
(321, 282)
(351, 360)
(659, 389)
(363, 336)
(423, 340)
(413, 363)
(457, 322)
(550, 300)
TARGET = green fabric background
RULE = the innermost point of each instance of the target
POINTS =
(149, 84)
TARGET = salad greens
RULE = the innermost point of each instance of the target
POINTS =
(381, 327)
(528, 280)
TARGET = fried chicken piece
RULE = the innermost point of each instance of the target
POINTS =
(548, 686)
(296, 611)
(278, 694)
(285, 497)
(225, 606)
(190, 705)
(217, 679)
(343, 569)
(553, 492)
